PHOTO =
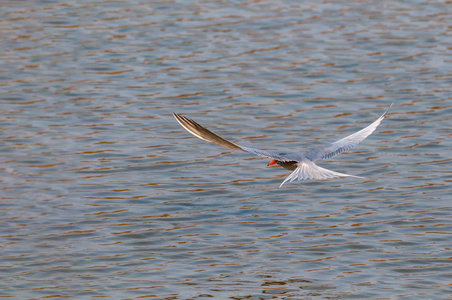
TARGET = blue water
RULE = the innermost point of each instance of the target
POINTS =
(104, 195)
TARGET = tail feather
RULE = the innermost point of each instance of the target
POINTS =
(309, 170)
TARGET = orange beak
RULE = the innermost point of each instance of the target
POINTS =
(271, 163)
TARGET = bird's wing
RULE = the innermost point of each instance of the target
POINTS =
(346, 143)
(207, 135)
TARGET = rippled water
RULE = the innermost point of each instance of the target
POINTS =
(104, 195)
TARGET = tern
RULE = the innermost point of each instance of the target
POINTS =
(302, 165)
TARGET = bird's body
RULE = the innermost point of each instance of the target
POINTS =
(302, 165)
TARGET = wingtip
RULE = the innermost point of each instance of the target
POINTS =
(384, 115)
(178, 117)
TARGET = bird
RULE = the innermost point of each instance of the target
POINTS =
(303, 166)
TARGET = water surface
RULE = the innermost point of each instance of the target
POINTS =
(104, 195)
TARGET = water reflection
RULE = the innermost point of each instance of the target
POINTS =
(104, 195)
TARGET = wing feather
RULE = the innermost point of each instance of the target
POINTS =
(207, 135)
(346, 143)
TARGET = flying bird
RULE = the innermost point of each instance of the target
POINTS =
(302, 165)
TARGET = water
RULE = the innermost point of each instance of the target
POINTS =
(104, 195)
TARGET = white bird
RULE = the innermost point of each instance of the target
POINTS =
(302, 165)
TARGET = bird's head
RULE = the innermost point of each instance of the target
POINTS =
(272, 162)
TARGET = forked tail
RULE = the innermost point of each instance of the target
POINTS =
(308, 170)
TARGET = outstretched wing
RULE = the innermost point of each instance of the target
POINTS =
(346, 143)
(207, 135)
